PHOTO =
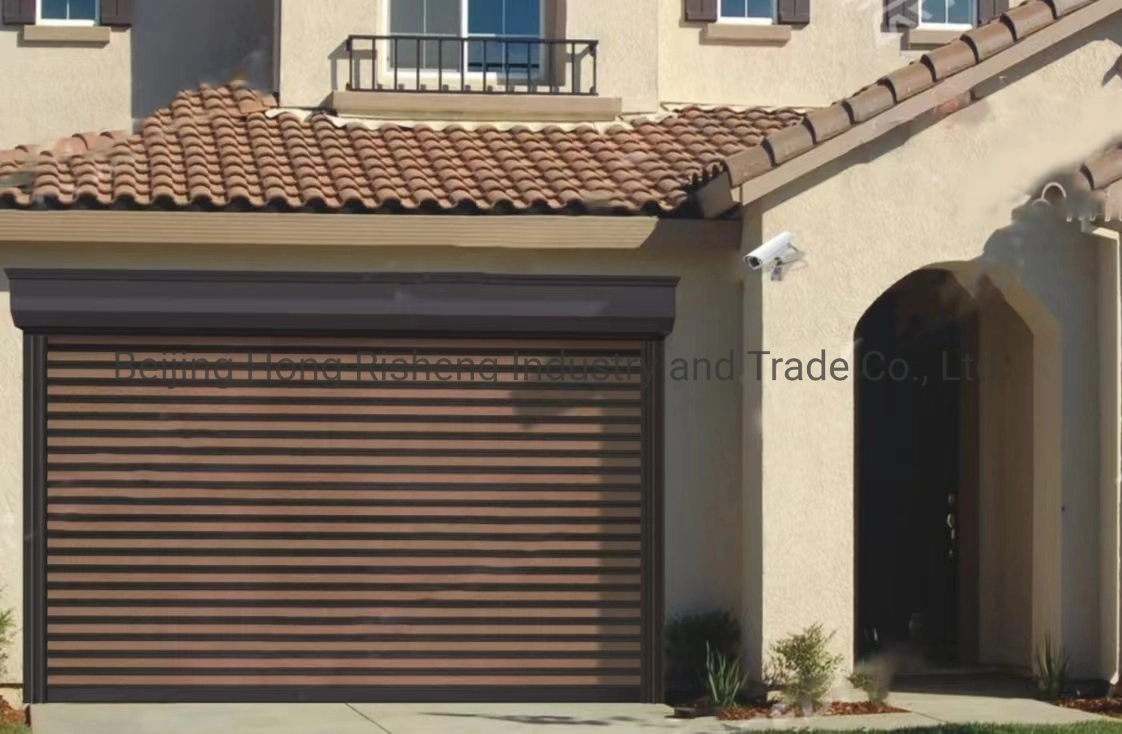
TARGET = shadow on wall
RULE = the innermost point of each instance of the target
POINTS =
(178, 45)
(1048, 271)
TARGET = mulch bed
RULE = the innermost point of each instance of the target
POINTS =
(1103, 706)
(10, 714)
(834, 708)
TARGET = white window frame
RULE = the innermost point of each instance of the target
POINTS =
(450, 75)
(933, 25)
(40, 20)
(738, 20)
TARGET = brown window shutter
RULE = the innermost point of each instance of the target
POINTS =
(794, 12)
(704, 11)
(900, 15)
(18, 12)
(116, 13)
(990, 9)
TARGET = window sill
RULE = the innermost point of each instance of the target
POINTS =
(930, 37)
(756, 33)
(490, 107)
(93, 35)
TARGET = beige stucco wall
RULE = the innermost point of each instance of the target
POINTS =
(51, 90)
(1110, 449)
(628, 32)
(839, 52)
(177, 45)
(703, 418)
(48, 91)
(1005, 485)
(312, 54)
(947, 194)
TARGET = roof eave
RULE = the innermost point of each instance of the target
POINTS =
(753, 189)
(271, 229)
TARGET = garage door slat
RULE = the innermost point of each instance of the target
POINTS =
(385, 498)
(200, 648)
(311, 614)
(359, 545)
(438, 681)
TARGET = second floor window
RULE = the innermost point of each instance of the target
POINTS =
(748, 11)
(67, 12)
(951, 14)
(473, 21)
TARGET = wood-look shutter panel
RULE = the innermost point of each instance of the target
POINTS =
(990, 9)
(117, 13)
(794, 12)
(18, 12)
(702, 10)
(476, 528)
(900, 15)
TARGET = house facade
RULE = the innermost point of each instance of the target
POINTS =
(931, 465)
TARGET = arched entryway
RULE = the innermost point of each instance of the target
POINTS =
(944, 474)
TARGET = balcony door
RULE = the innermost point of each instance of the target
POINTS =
(491, 39)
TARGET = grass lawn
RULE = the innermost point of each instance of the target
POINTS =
(13, 729)
(1091, 727)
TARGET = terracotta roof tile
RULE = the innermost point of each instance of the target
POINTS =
(1090, 191)
(219, 147)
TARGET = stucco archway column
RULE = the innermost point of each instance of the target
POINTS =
(1107, 239)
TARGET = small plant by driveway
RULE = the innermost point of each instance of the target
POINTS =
(725, 677)
(803, 668)
(1051, 669)
(688, 639)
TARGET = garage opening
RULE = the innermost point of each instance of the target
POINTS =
(345, 518)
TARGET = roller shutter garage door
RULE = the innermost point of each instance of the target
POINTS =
(241, 536)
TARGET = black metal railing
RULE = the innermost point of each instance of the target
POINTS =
(471, 64)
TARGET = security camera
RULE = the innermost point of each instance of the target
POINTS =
(779, 250)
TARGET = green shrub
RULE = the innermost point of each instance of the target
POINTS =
(802, 667)
(1051, 669)
(726, 679)
(688, 638)
(7, 633)
(866, 679)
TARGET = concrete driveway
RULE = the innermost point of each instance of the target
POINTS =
(312, 718)
(316, 718)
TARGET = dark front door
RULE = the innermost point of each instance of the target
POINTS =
(908, 454)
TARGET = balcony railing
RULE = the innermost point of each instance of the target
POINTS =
(472, 64)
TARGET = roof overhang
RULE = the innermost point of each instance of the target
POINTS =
(545, 232)
(717, 196)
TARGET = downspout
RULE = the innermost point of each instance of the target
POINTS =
(1109, 289)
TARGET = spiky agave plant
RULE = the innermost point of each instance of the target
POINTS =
(1051, 669)
(726, 679)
